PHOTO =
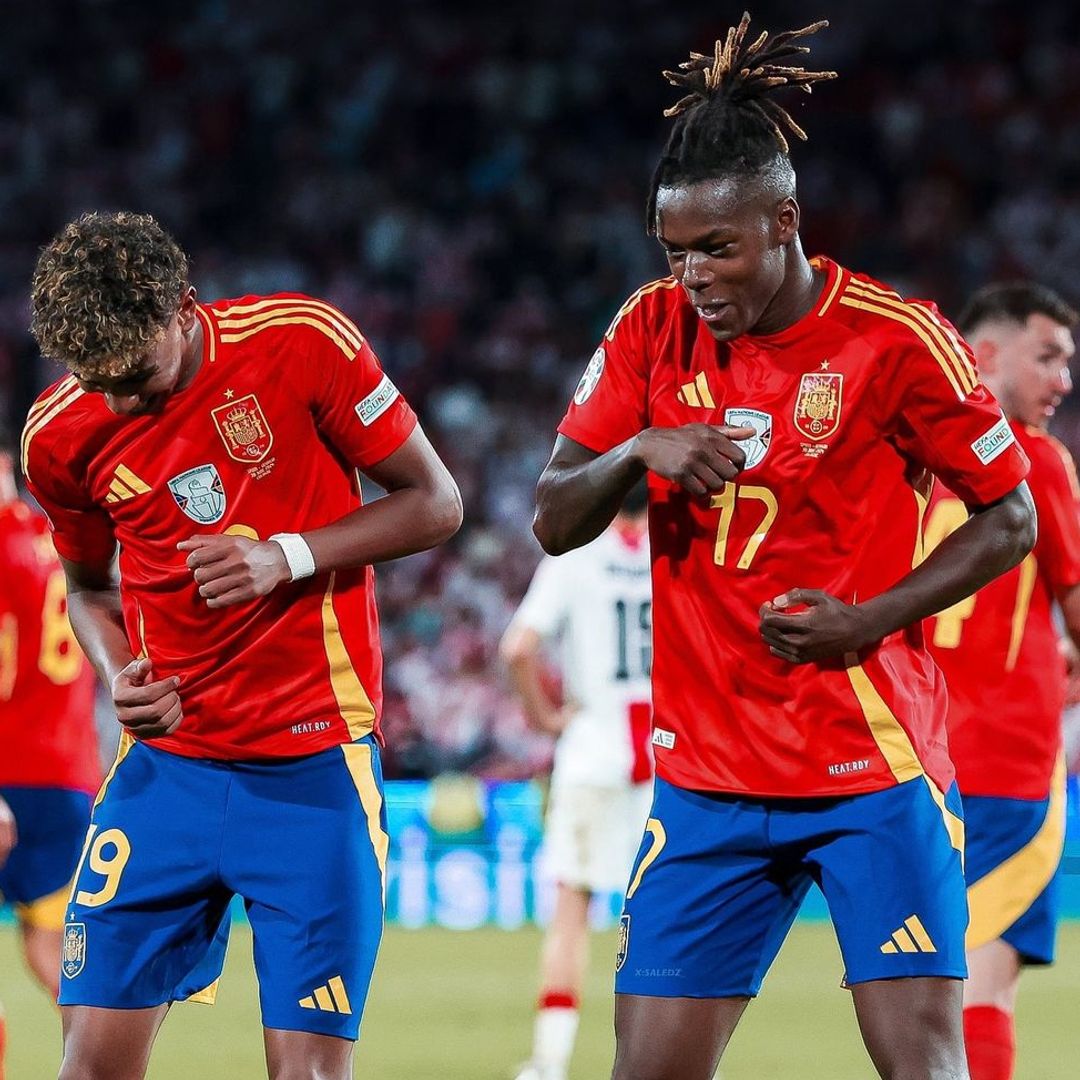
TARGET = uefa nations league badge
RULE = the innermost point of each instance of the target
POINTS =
(74, 952)
(200, 493)
(757, 446)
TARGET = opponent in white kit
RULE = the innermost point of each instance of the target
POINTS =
(597, 602)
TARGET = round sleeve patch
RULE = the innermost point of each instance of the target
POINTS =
(591, 377)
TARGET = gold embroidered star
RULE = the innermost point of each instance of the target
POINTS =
(824, 365)
(230, 394)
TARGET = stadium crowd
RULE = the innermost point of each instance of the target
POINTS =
(467, 181)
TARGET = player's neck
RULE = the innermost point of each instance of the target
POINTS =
(798, 293)
(192, 357)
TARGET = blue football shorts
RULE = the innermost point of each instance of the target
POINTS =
(1013, 861)
(719, 879)
(51, 824)
(302, 840)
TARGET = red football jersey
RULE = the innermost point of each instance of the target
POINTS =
(852, 405)
(288, 403)
(47, 734)
(999, 648)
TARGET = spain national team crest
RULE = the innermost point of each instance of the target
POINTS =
(624, 941)
(243, 427)
(200, 493)
(817, 407)
(757, 446)
(74, 952)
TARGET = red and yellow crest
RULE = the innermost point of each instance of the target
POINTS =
(817, 406)
(243, 427)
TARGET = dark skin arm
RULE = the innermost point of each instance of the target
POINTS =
(994, 539)
(580, 491)
(422, 508)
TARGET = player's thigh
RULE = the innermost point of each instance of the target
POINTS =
(672, 1038)
(890, 866)
(108, 1044)
(298, 1055)
(1012, 868)
(592, 834)
(306, 847)
(913, 1027)
(147, 919)
(41, 948)
(708, 904)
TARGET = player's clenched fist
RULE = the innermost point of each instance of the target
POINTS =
(822, 628)
(148, 709)
(234, 569)
(700, 458)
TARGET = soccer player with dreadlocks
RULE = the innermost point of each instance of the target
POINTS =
(788, 414)
(217, 445)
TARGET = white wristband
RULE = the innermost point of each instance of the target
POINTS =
(298, 555)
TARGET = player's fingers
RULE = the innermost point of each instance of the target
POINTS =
(149, 718)
(213, 572)
(804, 597)
(208, 554)
(688, 481)
(781, 622)
(135, 672)
(713, 474)
(127, 696)
(238, 595)
(192, 543)
(785, 654)
(733, 432)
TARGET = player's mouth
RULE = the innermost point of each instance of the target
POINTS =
(1049, 407)
(712, 312)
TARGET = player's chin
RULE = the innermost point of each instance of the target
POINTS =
(725, 329)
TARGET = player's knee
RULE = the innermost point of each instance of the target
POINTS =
(927, 1046)
(79, 1065)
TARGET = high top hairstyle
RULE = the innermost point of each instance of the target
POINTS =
(728, 124)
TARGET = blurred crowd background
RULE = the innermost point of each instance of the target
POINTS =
(468, 181)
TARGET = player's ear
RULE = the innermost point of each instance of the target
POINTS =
(986, 356)
(185, 313)
(787, 219)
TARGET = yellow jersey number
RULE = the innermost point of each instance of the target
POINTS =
(108, 852)
(733, 496)
(59, 658)
(947, 516)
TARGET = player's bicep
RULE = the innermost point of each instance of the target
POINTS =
(356, 406)
(414, 464)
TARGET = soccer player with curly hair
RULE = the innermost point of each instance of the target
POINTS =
(217, 446)
(789, 414)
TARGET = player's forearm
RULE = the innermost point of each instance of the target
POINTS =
(401, 523)
(98, 622)
(541, 712)
(579, 493)
(992, 541)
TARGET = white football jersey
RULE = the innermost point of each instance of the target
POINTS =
(597, 601)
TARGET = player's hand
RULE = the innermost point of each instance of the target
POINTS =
(700, 458)
(821, 628)
(9, 832)
(147, 709)
(234, 569)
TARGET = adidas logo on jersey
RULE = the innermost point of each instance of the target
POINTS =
(125, 485)
(330, 997)
(910, 938)
(697, 393)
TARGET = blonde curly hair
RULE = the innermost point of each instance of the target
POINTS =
(104, 290)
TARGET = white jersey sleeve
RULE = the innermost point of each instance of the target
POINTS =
(546, 606)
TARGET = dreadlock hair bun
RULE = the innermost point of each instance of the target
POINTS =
(727, 122)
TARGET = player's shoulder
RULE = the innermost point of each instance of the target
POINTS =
(1049, 456)
(650, 306)
(900, 327)
(59, 419)
(290, 316)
